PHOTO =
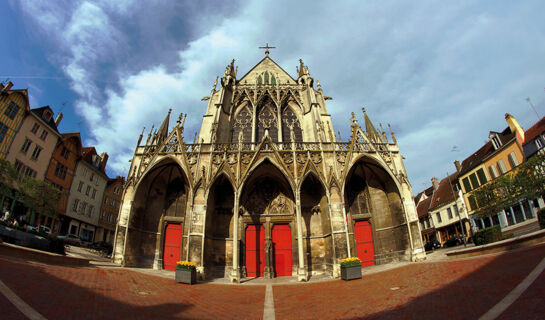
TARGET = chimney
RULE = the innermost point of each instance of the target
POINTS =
(104, 157)
(435, 183)
(8, 85)
(58, 119)
(515, 127)
(4, 88)
(457, 165)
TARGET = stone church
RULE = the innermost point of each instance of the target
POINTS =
(267, 189)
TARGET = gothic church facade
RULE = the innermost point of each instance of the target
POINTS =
(267, 188)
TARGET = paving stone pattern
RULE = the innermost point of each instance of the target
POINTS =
(459, 289)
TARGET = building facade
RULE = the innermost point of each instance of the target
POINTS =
(13, 108)
(496, 158)
(267, 188)
(86, 192)
(110, 209)
(33, 145)
(60, 173)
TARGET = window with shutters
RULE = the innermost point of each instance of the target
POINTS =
(513, 161)
(493, 171)
(501, 165)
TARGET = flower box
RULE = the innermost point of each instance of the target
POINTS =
(350, 273)
(186, 272)
(350, 268)
(186, 276)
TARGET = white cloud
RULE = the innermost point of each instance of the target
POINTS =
(441, 74)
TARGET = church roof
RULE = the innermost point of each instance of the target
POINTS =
(267, 64)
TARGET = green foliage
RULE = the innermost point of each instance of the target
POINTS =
(350, 262)
(8, 175)
(527, 181)
(487, 235)
(39, 196)
(541, 218)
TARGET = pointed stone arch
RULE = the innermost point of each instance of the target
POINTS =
(276, 163)
(266, 118)
(218, 229)
(242, 123)
(371, 196)
(290, 122)
(161, 197)
(316, 227)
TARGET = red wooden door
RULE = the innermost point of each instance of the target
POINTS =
(172, 247)
(255, 250)
(364, 243)
(281, 238)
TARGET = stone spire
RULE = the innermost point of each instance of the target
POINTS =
(162, 133)
(372, 133)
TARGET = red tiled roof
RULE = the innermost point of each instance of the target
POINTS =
(444, 193)
(422, 207)
(535, 130)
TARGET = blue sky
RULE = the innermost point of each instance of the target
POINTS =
(442, 73)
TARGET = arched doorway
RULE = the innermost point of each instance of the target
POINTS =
(316, 226)
(155, 231)
(267, 205)
(376, 221)
(218, 242)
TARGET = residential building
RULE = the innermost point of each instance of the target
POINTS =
(60, 173)
(423, 200)
(13, 108)
(534, 139)
(30, 153)
(501, 154)
(447, 209)
(86, 192)
(109, 211)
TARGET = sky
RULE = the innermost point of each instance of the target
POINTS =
(442, 73)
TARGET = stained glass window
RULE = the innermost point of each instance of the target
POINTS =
(289, 119)
(243, 123)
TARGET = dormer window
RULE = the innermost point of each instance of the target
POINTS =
(47, 115)
(495, 139)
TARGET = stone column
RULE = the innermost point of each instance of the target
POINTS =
(235, 272)
(301, 271)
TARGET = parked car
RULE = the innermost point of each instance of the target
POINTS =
(432, 245)
(44, 229)
(70, 239)
(454, 241)
(102, 246)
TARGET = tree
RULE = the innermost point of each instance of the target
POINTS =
(527, 181)
(8, 176)
(39, 196)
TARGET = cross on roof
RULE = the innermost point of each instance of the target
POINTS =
(266, 47)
